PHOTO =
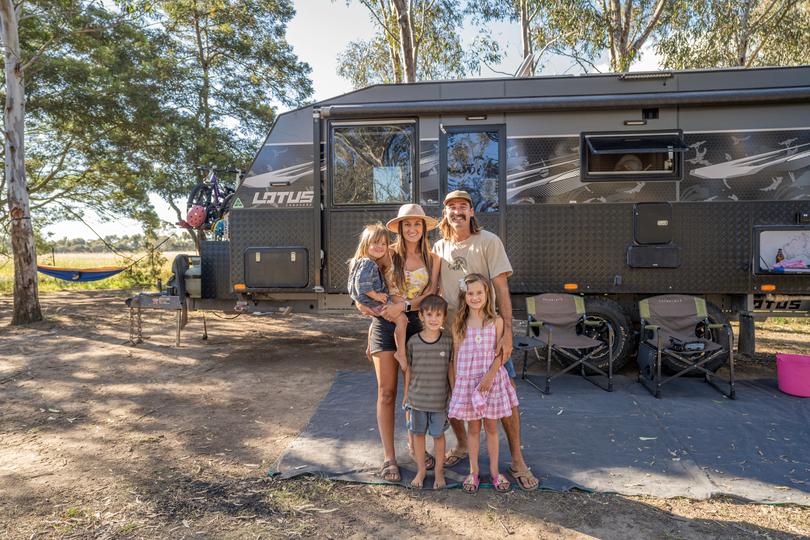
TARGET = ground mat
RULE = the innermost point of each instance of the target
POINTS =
(693, 442)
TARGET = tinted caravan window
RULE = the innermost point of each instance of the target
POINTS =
(474, 165)
(372, 163)
(638, 156)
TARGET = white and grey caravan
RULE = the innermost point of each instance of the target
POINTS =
(616, 187)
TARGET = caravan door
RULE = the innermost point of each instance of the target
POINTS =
(473, 158)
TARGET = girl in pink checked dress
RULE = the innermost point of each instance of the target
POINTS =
(482, 392)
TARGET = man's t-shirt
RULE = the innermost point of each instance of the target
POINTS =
(481, 253)
(429, 364)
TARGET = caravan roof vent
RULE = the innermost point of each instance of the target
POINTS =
(646, 75)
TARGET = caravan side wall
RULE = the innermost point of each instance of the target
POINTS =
(745, 166)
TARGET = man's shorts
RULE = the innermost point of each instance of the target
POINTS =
(510, 369)
(424, 422)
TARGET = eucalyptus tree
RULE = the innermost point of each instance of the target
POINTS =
(237, 68)
(741, 33)
(26, 293)
(414, 40)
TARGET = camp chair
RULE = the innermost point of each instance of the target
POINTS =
(673, 329)
(552, 323)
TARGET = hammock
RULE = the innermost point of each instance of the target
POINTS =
(81, 274)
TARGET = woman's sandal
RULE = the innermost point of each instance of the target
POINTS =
(390, 471)
(471, 483)
(501, 484)
(454, 457)
(522, 475)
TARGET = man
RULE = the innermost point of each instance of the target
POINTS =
(465, 249)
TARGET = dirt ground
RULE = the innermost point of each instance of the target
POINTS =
(99, 439)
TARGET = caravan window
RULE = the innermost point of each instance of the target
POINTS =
(372, 163)
(636, 156)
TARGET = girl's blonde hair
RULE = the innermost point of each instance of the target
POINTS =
(488, 311)
(400, 253)
(371, 234)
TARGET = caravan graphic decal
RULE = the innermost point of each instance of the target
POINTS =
(546, 170)
(733, 166)
(281, 177)
(747, 166)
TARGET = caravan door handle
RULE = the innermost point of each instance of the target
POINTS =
(280, 184)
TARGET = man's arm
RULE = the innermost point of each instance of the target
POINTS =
(504, 301)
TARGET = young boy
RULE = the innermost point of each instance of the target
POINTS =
(428, 386)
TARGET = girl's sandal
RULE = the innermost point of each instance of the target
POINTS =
(501, 484)
(471, 483)
(390, 471)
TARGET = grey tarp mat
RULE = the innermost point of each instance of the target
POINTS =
(693, 442)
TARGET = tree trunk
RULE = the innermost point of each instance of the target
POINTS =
(403, 12)
(525, 32)
(26, 286)
(744, 35)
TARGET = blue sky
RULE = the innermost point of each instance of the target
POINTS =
(318, 32)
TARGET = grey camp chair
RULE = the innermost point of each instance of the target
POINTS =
(554, 321)
(673, 330)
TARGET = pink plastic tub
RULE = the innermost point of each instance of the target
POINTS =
(793, 374)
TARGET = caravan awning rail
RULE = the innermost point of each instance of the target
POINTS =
(556, 103)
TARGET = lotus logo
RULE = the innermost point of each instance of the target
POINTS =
(283, 198)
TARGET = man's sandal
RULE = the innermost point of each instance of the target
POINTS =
(390, 471)
(524, 475)
(501, 484)
(454, 457)
(471, 483)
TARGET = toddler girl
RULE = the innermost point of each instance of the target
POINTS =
(367, 282)
(481, 390)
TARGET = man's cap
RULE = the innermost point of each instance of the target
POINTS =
(458, 194)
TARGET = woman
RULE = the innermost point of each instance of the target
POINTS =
(413, 274)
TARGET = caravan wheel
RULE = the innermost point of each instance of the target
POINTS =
(612, 315)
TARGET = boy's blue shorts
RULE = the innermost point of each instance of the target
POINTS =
(425, 422)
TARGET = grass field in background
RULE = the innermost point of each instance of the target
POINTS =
(80, 260)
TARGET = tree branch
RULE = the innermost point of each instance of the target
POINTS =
(659, 8)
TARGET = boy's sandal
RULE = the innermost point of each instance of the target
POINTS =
(471, 483)
(454, 457)
(524, 475)
(501, 484)
(390, 471)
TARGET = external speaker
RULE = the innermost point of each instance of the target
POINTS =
(668, 256)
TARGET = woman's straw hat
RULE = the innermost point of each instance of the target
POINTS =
(407, 211)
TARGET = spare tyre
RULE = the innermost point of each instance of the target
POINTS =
(611, 315)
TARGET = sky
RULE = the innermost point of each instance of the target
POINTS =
(319, 30)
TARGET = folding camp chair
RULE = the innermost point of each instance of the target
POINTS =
(674, 328)
(553, 323)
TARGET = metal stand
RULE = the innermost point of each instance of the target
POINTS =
(153, 301)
